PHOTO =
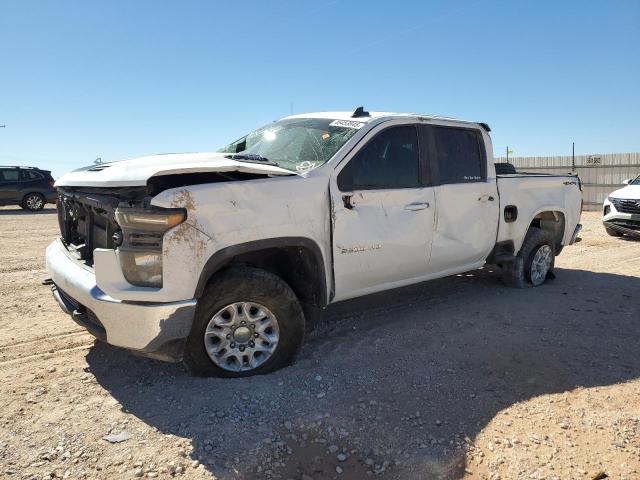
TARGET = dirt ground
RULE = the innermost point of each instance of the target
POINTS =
(460, 378)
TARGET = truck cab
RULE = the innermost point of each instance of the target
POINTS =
(421, 202)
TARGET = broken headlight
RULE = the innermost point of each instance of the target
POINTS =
(140, 242)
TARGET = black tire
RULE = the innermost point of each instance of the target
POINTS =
(517, 274)
(612, 232)
(246, 284)
(33, 202)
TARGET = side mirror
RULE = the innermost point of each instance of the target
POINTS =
(241, 146)
(627, 181)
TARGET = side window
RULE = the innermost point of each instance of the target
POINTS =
(388, 160)
(9, 174)
(29, 175)
(459, 156)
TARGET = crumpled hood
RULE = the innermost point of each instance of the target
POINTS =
(136, 171)
(630, 192)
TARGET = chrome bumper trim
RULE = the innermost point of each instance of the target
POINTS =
(575, 234)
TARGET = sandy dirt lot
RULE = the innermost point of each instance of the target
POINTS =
(456, 378)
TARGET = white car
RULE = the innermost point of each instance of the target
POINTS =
(220, 260)
(621, 210)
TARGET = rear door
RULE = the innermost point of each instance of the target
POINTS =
(382, 213)
(9, 185)
(30, 181)
(467, 206)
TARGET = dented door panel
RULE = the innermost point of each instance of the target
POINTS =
(384, 239)
(466, 224)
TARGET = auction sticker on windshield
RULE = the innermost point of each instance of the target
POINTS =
(346, 124)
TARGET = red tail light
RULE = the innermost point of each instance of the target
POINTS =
(51, 182)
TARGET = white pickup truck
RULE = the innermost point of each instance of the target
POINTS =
(219, 259)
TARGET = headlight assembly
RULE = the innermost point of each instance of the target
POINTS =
(140, 242)
(158, 220)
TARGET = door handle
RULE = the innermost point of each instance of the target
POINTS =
(484, 198)
(416, 206)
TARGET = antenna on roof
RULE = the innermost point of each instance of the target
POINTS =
(360, 112)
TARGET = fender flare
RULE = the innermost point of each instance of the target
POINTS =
(547, 208)
(223, 256)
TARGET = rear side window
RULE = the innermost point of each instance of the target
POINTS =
(389, 160)
(9, 174)
(459, 155)
(29, 175)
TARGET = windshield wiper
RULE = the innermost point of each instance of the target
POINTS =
(252, 158)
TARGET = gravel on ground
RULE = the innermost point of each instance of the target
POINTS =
(458, 378)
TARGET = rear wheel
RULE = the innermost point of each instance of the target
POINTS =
(33, 202)
(248, 322)
(612, 232)
(534, 263)
(540, 264)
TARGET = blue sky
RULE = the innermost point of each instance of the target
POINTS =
(118, 79)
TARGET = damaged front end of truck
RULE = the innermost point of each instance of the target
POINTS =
(108, 266)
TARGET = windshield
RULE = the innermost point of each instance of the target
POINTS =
(298, 144)
(636, 181)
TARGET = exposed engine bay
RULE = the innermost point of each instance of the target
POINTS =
(87, 215)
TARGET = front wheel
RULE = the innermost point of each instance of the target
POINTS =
(33, 202)
(248, 322)
(534, 263)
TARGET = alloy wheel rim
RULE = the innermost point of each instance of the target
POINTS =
(541, 264)
(241, 336)
(34, 202)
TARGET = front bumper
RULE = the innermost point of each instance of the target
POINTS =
(157, 330)
(628, 227)
(627, 223)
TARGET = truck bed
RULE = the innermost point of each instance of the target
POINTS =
(532, 193)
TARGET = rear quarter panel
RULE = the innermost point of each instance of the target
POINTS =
(533, 195)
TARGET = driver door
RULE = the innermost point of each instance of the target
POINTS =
(383, 214)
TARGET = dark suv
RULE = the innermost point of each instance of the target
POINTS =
(28, 187)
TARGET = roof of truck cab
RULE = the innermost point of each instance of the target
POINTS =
(376, 116)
